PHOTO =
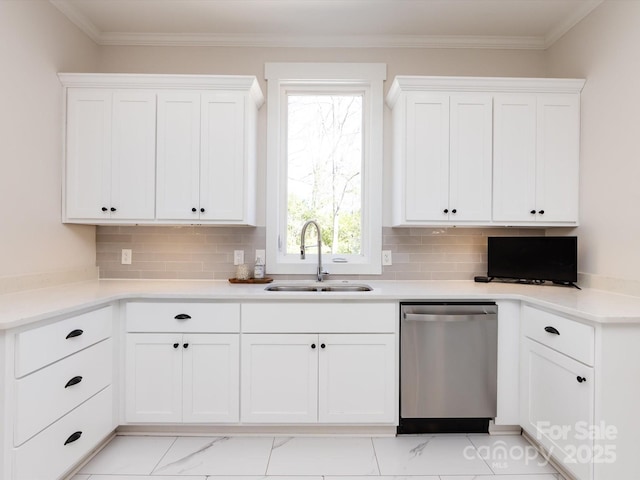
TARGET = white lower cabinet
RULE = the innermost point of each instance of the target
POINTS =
(55, 450)
(318, 378)
(174, 378)
(557, 394)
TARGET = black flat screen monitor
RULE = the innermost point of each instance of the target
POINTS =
(533, 258)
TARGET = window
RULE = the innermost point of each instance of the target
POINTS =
(324, 163)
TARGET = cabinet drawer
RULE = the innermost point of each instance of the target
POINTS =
(321, 317)
(65, 385)
(183, 317)
(560, 333)
(44, 345)
(47, 457)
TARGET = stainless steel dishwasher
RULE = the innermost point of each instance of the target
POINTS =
(448, 367)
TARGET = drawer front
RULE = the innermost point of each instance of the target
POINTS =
(65, 385)
(183, 317)
(46, 457)
(319, 317)
(44, 345)
(562, 334)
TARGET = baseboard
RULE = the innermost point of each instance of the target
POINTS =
(258, 430)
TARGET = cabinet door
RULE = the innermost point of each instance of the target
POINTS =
(153, 388)
(558, 145)
(88, 150)
(279, 381)
(557, 395)
(178, 169)
(357, 378)
(211, 385)
(133, 158)
(222, 156)
(426, 186)
(470, 167)
(514, 158)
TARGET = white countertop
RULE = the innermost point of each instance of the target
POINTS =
(595, 306)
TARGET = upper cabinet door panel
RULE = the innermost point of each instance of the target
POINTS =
(470, 158)
(427, 157)
(178, 156)
(133, 156)
(514, 160)
(222, 167)
(557, 157)
(88, 151)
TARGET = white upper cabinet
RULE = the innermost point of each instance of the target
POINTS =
(160, 149)
(444, 159)
(178, 181)
(110, 169)
(485, 151)
(536, 141)
(133, 156)
(88, 148)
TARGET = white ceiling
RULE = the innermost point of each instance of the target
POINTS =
(530, 24)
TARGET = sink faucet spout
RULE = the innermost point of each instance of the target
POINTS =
(320, 272)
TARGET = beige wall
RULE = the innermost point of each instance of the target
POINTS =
(603, 48)
(36, 42)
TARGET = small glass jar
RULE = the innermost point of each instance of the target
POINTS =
(243, 272)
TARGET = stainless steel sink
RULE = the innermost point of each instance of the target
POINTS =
(319, 288)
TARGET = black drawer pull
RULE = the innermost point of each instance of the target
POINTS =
(551, 330)
(176, 345)
(581, 379)
(186, 345)
(73, 381)
(73, 437)
(74, 333)
(182, 316)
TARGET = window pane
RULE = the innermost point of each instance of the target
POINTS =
(324, 171)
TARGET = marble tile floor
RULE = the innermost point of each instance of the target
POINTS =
(418, 457)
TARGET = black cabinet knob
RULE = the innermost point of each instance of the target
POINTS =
(454, 211)
(313, 345)
(73, 437)
(73, 381)
(581, 379)
(74, 333)
(113, 209)
(104, 209)
(322, 345)
(182, 316)
(541, 212)
(176, 345)
(186, 345)
(202, 210)
(532, 212)
(194, 209)
(552, 330)
(446, 210)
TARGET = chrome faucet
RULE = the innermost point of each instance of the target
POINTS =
(320, 272)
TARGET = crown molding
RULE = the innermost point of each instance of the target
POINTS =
(323, 41)
(78, 19)
(412, 83)
(568, 23)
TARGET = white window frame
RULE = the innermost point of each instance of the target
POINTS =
(325, 77)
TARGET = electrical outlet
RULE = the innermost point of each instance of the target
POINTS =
(260, 257)
(126, 256)
(386, 257)
(238, 257)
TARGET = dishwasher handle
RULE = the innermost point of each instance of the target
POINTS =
(436, 317)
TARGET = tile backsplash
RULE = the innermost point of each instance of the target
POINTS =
(207, 252)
